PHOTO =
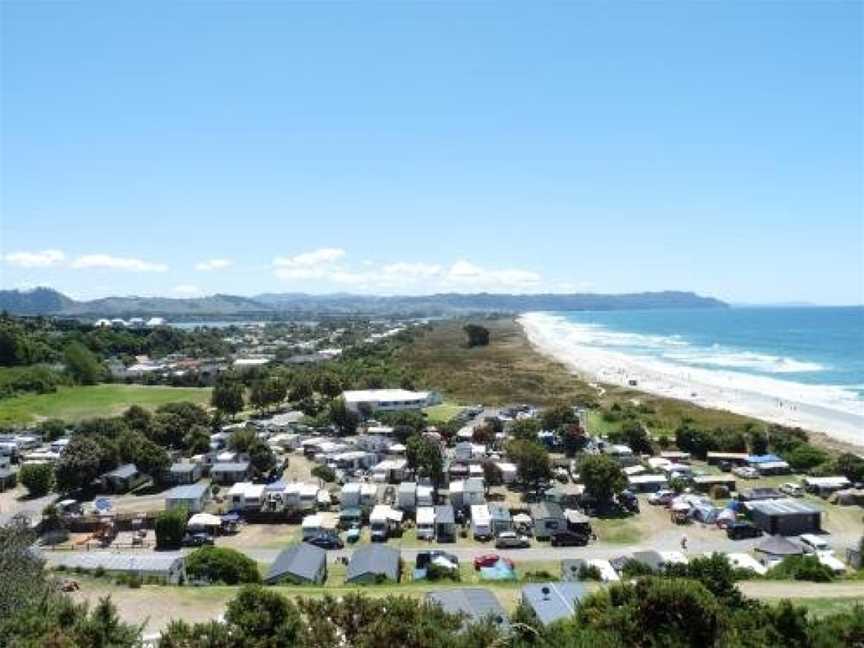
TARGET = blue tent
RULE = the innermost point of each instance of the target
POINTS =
(499, 571)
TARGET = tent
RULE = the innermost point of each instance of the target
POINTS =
(501, 570)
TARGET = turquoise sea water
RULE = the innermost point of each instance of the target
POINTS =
(812, 346)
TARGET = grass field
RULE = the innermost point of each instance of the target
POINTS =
(442, 413)
(76, 403)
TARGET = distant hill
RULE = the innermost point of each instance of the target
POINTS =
(44, 301)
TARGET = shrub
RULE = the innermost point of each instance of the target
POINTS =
(634, 568)
(803, 568)
(170, 528)
(218, 564)
(539, 575)
(99, 572)
(437, 572)
(134, 581)
(38, 479)
(589, 572)
(324, 473)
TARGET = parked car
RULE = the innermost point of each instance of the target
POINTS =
(725, 466)
(197, 540)
(813, 543)
(663, 496)
(425, 557)
(326, 542)
(791, 489)
(568, 539)
(353, 534)
(488, 560)
(511, 540)
(741, 530)
(746, 472)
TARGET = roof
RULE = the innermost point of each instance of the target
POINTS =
(304, 560)
(499, 512)
(182, 467)
(110, 561)
(425, 515)
(123, 472)
(647, 479)
(230, 466)
(783, 507)
(652, 559)
(477, 603)
(761, 459)
(372, 395)
(546, 510)
(374, 559)
(444, 514)
(187, 492)
(780, 546)
(714, 479)
(553, 601)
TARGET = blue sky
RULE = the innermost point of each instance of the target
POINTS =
(183, 149)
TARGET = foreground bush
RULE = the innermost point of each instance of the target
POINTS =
(221, 565)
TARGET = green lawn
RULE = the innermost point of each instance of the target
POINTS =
(76, 403)
(442, 413)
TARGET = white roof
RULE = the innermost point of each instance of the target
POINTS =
(247, 489)
(826, 481)
(426, 515)
(746, 561)
(377, 395)
(312, 522)
(607, 571)
(480, 513)
(204, 519)
(647, 479)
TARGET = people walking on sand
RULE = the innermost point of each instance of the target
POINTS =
(683, 543)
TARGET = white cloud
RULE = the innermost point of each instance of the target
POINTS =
(466, 274)
(117, 263)
(187, 289)
(40, 259)
(214, 264)
(312, 259)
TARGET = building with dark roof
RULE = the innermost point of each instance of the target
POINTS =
(301, 564)
(183, 473)
(553, 601)
(373, 563)
(548, 519)
(192, 497)
(123, 478)
(785, 516)
(230, 472)
(475, 603)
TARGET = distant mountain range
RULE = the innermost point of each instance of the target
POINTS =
(45, 301)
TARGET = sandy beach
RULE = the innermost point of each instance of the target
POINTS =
(814, 408)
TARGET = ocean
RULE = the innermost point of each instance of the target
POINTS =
(790, 358)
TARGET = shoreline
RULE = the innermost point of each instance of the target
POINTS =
(830, 428)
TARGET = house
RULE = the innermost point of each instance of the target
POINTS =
(445, 523)
(734, 458)
(230, 472)
(192, 497)
(123, 478)
(167, 567)
(300, 564)
(785, 516)
(246, 496)
(768, 464)
(183, 473)
(508, 471)
(548, 518)
(500, 519)
(647, 483)
(406, 496)
(704, 483)
(824, 486)
(391, 471)
(481, 522)
(372, 564)
(388, 400)
(383, 520)
(552, 602)
(476, 603)
(319, 524)
(777, 548)
(675, 456)
(425, 523)
(425, 495)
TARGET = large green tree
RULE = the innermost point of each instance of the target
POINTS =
(602, 477)
(38, 479)
(82, 364)
(532, 462)
(227, 397)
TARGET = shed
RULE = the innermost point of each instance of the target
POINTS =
(500, 518)
(230, 472)
(551, 602)
(425, 523)
(476, 603)
(705, 483)
(445, 523)
(184, 473)
(548, 518)
(785, 516)
(300, 563)
(192, 497)
(123, 478)
(169, 567)
(824, 486)
(373, 563)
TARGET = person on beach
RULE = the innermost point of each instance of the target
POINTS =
(683, 543)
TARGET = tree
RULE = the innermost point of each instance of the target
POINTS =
(635, 435)
(197, 440)
(492, 475)
(51, 429)
(532, 463)
(342, 417)
(170, 528)
(483, 434)
(850, 466)
(573, 439)
(148, 457)
(222, 565)
(424, 457)
(268, 392)
(259, 612)
(804, 457)
(525, 429)
(242, 440)
(81, 364)
(261, 458)
(82, 461)
(324, 473)
(602, 477)
(227, 397)
(694, 440)
(300, 390)
(477, 335)
(38, 479)
(554, 418)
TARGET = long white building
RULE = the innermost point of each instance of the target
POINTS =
(389, 400)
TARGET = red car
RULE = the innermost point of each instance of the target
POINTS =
(488, 560)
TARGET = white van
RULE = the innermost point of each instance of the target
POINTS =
(813, 543)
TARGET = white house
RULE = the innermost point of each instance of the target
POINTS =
(388, 400)
(426, 522)
(481, 522)
(246, 496)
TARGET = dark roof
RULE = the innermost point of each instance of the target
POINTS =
(547, 510)
(444, 514)
(374, 559)
(780, 546)
(781, 507)
(753, 494)
(230, 466)
(303, 560)
(553, 601)
(123, 472)
(476, 603)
